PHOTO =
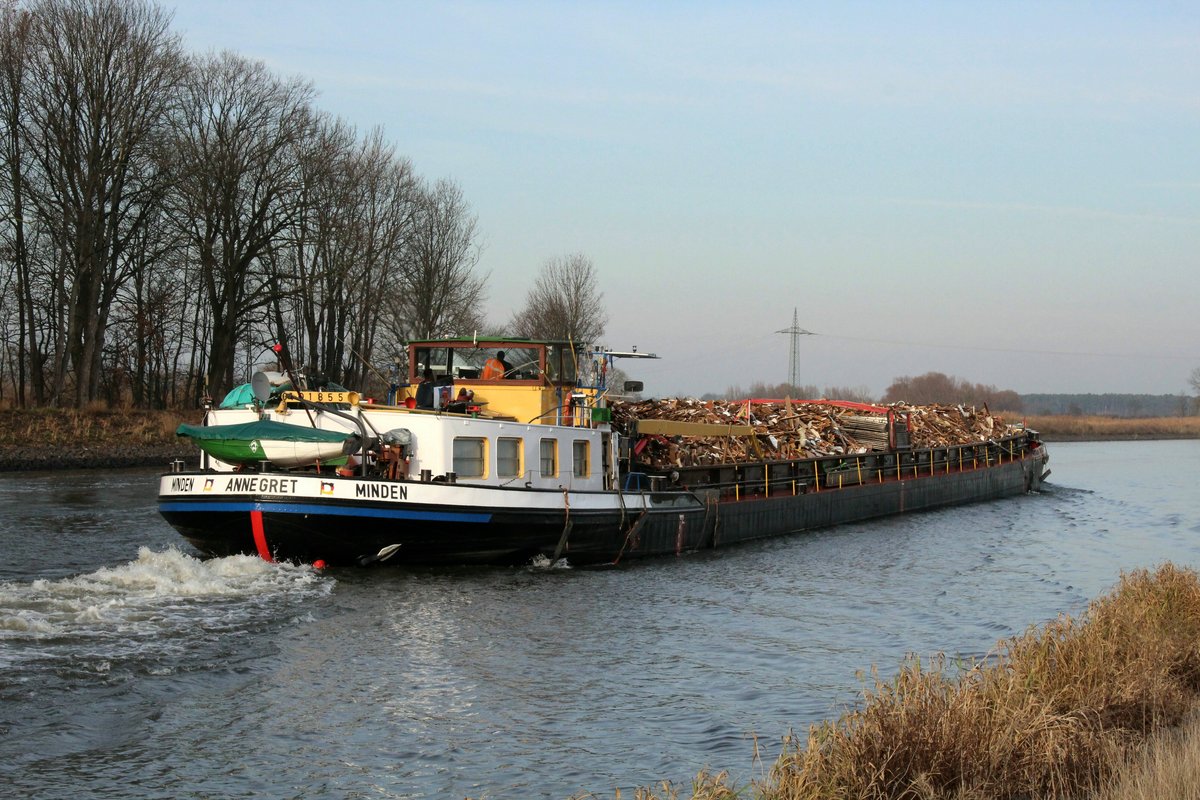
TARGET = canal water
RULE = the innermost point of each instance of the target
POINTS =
(130, 668)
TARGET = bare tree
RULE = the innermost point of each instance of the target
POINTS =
(936, 387)
(100, 77)
(391, 201)
(1194, 380)
(762, 389)
(149, 318)
(854, 394)
(349, 243)
(564, 303)
(238, 134)
(162, 217)
(14, 54)
(322, 248)
(439, 294)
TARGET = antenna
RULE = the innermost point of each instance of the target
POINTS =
(796, 332)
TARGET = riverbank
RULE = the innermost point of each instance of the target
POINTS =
(1103, 706)
(1086, 429)
(46, 439)
(43, 439)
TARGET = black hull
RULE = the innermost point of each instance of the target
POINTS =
(631, 525)
(723, 522)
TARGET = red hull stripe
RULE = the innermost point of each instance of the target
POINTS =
(260, 538)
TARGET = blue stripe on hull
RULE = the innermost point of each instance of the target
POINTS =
(332, 511)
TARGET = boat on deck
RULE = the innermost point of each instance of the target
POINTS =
(527, 463)
(279, 443)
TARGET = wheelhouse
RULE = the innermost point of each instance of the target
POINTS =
(538, 382)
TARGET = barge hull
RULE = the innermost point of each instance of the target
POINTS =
(723, 523)
(512, 526)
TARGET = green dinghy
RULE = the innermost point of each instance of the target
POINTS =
(278, 442)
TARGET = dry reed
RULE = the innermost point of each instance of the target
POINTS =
(1051, 715)
(1169, 768)
(68, 427)
(1093, 427)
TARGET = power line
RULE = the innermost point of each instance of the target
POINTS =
(795, 332)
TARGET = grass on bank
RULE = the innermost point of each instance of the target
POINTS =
(60, 427)
(1064, 711)
(1169, 769)
(1097, 428)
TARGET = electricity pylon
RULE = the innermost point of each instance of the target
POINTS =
(796, 332)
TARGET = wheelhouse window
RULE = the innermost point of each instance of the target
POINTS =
(523, 363)
(561, 363)
(435, 359)
(470, 456)
(549, 458)
(469, 362)
(508, 457)
(490, 361)
(579, 455)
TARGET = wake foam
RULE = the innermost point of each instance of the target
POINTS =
(156, 608)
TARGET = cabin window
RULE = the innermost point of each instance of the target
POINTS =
(469, 361)
(561, 363)
(579, 453)
(435, 359)
(508, 457)
(549, 456)
(524, 363)
(469, 456)
(520, 363)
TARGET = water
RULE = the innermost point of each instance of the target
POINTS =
(128, 668)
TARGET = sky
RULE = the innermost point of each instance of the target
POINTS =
(1008, 193)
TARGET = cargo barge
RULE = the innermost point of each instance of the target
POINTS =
(506, 451)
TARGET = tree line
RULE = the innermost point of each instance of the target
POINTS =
(777, 391)
(1111, 405)
(938, 388)
(165, 216)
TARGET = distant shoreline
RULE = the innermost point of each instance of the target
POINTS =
(1116, 437)
(1103, 429)
(60, 439)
